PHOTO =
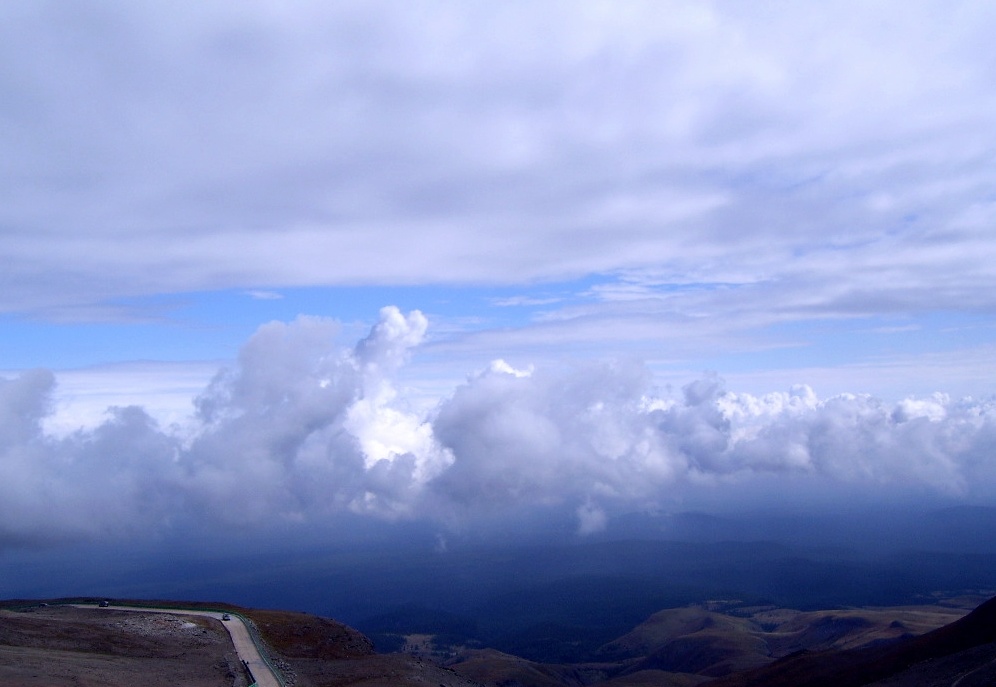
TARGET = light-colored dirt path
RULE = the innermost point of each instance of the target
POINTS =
(238, 631)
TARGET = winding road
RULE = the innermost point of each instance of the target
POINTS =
(237, 630)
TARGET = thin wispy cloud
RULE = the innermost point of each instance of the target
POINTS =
(264, 295)
(898, 329)
(520, 301)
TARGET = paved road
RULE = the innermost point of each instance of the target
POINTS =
(244, 645)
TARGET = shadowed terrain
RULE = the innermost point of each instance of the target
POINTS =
(696, 643)
(962, 654)
(53, 644)
(721, 643)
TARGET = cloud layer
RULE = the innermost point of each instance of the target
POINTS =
(795, 192)
(813, 161)
(303, 428)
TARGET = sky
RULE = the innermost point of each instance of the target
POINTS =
(444, 262)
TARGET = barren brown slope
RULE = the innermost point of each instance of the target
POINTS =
(664, 626)
(855, 627)
(300, 635)
(493, 667)
(702, 640)
(968, 646)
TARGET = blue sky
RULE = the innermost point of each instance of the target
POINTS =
(778, 196)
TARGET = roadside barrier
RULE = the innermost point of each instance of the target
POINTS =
(254, 635)
(252, 678)
(261, 647)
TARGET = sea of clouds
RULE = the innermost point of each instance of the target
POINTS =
(308, 428)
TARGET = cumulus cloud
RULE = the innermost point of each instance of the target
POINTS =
(115, 478)
(309, 428)
(549, 436)
(299, 428)
(303, 427)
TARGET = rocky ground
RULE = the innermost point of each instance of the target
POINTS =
(60, 646)
(63, 646)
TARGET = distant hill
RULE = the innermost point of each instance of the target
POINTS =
(961, 654)
(695, 643)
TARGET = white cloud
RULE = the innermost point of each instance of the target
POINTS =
(316, 427)
(680, 183)
(112, 479)
(260, 295)
(82, 396)
(303, 428)
(591, 519)
(716, 181)
(254, 148)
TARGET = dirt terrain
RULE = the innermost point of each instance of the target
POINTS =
(61, 645)
(319, 652)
